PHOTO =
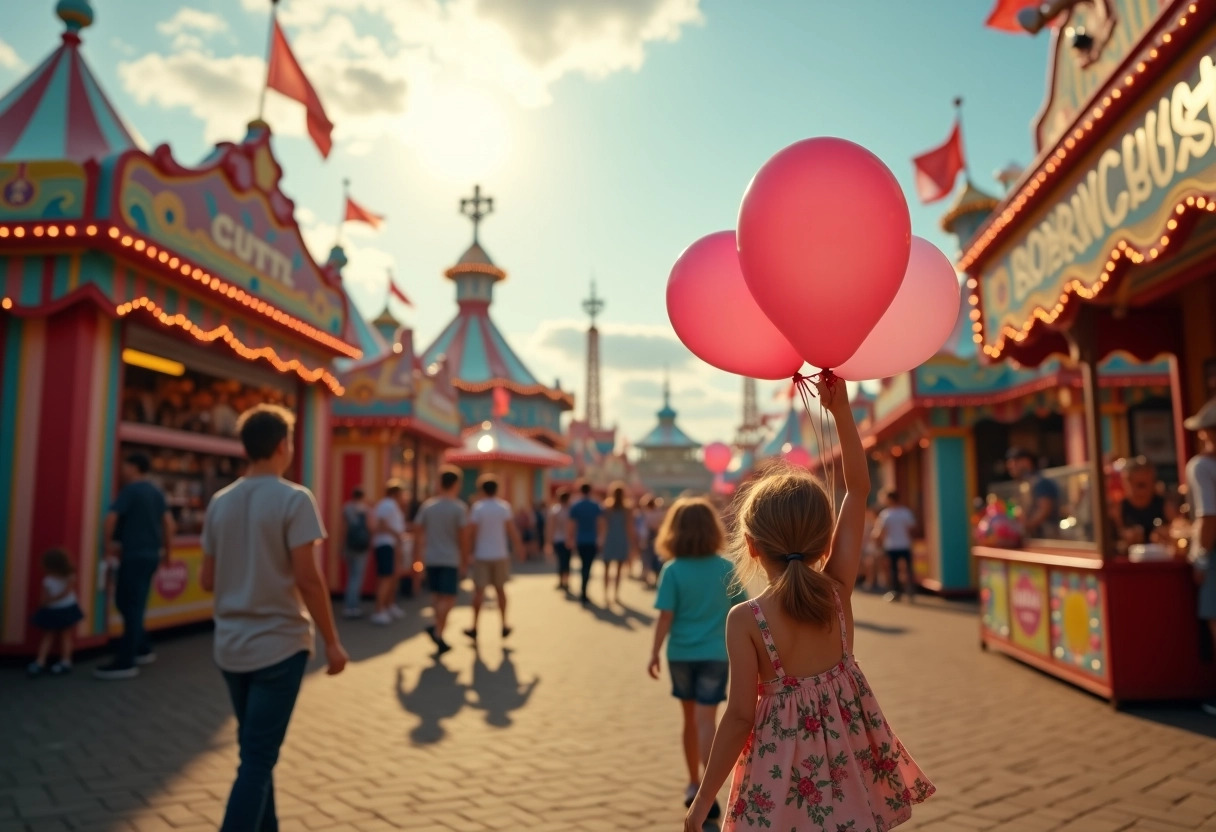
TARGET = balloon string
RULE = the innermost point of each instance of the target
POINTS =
(825, 442)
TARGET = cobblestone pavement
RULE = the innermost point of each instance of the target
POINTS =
(564, 732)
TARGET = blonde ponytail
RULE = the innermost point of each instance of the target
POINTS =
(789, 519)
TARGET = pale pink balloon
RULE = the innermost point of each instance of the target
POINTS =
(717, 457)
(715, 316)
(916, 324)
(798, 456)
(824, 232)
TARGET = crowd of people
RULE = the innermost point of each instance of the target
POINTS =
(802, 736)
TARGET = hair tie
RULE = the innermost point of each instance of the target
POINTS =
(794, 556)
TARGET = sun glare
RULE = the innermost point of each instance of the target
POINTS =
(460, 132)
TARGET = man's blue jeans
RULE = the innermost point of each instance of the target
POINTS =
(263, 701)
(132, 585)
(356, 566)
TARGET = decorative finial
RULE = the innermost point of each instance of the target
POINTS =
(593, 305)
(666, 387)
(472, 208)
(76, 14)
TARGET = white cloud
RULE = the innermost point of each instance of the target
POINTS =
(9, 59)
(368, 76)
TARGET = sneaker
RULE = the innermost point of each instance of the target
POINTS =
(34, 669)
(112, 672)
(471, 633)
(1209, 708)
(352, 612)
(61, 668)
(145, 658)
(890, 597)
(690, 794)
(396, 612)
(715, 811)
(381, 618)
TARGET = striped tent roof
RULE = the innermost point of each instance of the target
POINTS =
(788, 436)
(59, 111)
(496, 442)
(477, 351)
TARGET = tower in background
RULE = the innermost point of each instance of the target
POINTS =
(751, 430)
(593, 306)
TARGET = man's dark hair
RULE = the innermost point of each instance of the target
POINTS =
(489, 486)
(448, 479)
(263, 428)
(140, 462)
(893, 496)
(393, 487)
(585, 488)
(357, 494)
(563, 497)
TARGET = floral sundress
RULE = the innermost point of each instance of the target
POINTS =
(821, 755)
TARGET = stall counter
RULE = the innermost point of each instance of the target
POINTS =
(1123, 630)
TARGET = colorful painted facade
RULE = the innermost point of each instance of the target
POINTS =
(141, 302)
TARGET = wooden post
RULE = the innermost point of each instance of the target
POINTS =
(1083, 344)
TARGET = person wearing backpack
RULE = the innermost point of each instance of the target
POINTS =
(356, 542)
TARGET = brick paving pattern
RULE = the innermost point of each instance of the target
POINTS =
(564, 732)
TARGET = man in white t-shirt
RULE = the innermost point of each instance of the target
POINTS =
(388, 522)
(894, 529)
(493, 524)
(1201, 493)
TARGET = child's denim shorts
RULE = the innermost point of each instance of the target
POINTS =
(703, 682)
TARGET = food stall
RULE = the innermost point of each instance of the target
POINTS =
(520, 464)
(1107, 244)
(395, 421)
(142, 305)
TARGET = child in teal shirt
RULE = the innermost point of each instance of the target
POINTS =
(697, 588)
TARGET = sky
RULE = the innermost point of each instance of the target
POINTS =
(611, 134)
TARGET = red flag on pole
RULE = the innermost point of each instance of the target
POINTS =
(502, 402)
(937, 169)
(357, 213)
(1004, 15)
(285, 75)
(397, 293)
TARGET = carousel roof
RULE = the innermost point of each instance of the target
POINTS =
(970, 200)
(59, 111)
(667, 433)
(496, 442)
(788, 436)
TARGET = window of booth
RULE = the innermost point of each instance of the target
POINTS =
(179, 406)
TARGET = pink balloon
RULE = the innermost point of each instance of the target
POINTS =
(824, 232)
(714, 315)
(717, 457)
(798, 456)
(916, 324)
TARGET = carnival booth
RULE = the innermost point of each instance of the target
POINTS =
(520, 464)
(143, 305)
(1106, 246)
(395, 421)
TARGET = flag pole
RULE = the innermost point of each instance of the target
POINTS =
(958, 119)
(274, 4)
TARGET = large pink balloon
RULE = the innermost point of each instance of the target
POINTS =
(916, 324)
(824, 232)
(717, 457)
(714, 315)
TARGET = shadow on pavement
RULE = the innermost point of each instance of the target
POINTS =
(623, 619)
(436, 696)
(499, 691)
(1185, 716)
(882, 629)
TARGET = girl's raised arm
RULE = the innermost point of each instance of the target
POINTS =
(848, 539)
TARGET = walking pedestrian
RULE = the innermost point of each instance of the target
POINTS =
(494, 531)
(894, 528)
(810, 748)
(389, 525)
(261, 559)
(1201, 491)
(697, 588)
(559, 541)
(586, 528)
(138, 531)
(619, 541)
(441, 545)
(58, 613)
(356, 543)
